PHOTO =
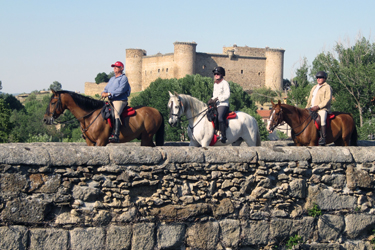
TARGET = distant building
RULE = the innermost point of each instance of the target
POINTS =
(249, 67)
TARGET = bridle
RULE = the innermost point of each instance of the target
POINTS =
(293, 129)
(179, 116)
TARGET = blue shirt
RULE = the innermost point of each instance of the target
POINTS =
(118, 87)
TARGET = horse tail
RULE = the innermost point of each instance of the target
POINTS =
(354, 137)
(159, 136)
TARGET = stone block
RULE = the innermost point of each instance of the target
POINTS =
(280, 154)
(183, 154)
(230, 232)
(330, 154)
(358, 178)
(298, 188)
(13, 238)
(363, 154)
(23, 154)
(232, 155)
(86, 193)
(119, 237)
(87, 238)
(25, 210)
(330, 227)
(254, 233)
(358, 224)
(203, 235)
(134, 155)
(143, 236)
(170, 236)
(48, 239)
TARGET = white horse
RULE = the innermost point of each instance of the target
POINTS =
(242, 128)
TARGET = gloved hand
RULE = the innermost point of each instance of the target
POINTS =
(315, 108)
(212, 101)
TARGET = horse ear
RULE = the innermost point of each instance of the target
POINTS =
(273, 104)
(53, 91)
(175, 93)
(279, 102)
(170, 94)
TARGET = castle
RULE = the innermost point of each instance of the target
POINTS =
(249, 67)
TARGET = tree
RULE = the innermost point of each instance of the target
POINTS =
(1, 87)
(12, 101)
(300, 87)
(101, 77)
(5, 124)
(56, 86)
(157, 96)
(263, 95)
(351, 74)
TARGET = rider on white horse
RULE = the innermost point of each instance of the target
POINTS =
(221, 95)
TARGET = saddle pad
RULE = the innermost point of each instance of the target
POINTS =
(214, 140)
(125, 113)
(329, 118)
(231, 115)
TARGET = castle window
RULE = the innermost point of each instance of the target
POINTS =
(204, 66)
(158, 70)
(241, 71)
(166, 70)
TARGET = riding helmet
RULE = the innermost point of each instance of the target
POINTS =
(321, 74)
(219, 70)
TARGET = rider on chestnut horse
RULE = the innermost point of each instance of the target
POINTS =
(320, 101)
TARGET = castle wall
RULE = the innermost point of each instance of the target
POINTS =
(91, 88)
(69, 196)
(249, 67)
(158, 66)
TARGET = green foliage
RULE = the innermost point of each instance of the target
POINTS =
(12, 101)
(367, 131)
(5, 125)
(293, 241)
(56, 86)
(315, 211)
(300, 87)
(101, 77)
(39, 138)
(281, 135)
(157, 96)
(351, 74)
(263, 95)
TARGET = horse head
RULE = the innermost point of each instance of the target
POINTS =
(176, 108)
(54, 108)
(276, 116)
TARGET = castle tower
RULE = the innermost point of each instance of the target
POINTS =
(274, 68)
(133, 68)
(184, 59)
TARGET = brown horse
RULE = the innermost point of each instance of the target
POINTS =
(341, 129)
(146, 122)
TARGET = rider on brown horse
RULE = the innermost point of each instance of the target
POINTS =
(320, 101)
(117, 91)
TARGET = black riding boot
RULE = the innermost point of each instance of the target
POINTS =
(223, 129)
(115, 136)
(322, 139)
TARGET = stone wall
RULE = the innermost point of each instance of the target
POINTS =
(69, 196)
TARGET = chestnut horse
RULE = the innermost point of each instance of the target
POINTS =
(146, 122)
(340, 131)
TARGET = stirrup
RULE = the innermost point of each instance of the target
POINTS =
(114, 139)
(322, 141)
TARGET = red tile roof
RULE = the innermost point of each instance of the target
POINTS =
(264, 113)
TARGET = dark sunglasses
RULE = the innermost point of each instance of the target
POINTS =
(319, 77)
(216, 74)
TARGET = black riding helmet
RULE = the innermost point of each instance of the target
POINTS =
(219, 70)
(321, 74)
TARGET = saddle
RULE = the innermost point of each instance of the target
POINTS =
(212, 117)
(316, 118)
(109, 115)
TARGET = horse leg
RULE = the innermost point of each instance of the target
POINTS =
(146, 140)
(238, 142)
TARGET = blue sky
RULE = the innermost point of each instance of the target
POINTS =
(72, 41)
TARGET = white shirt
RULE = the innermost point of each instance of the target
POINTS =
(222, 92)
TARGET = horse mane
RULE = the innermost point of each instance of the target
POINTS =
(86, 103)
(193, 103)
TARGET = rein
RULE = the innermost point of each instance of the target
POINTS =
(311, 118)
